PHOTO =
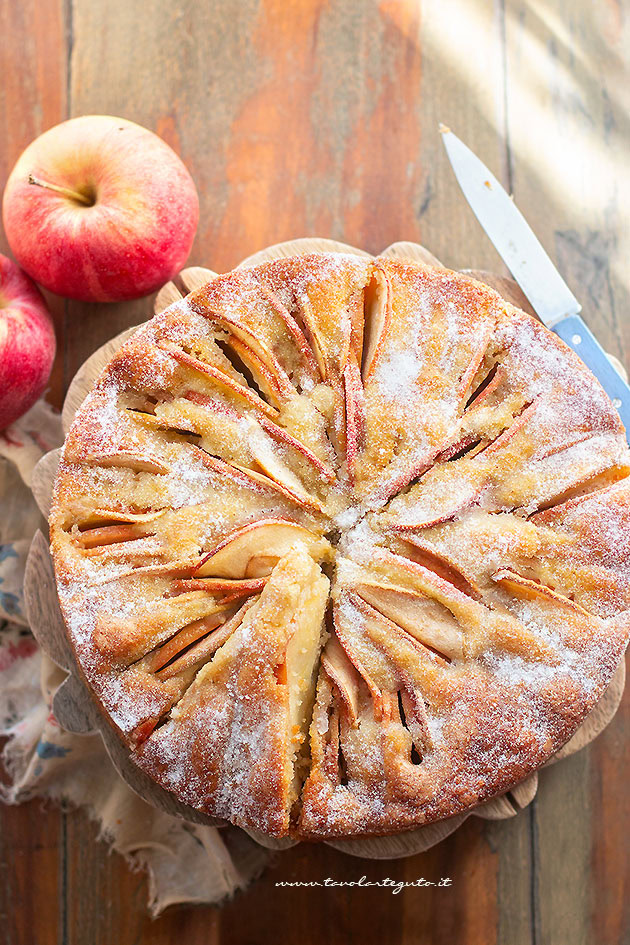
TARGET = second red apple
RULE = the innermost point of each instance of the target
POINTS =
(27, 342)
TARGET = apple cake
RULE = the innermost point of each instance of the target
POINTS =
(342, 545)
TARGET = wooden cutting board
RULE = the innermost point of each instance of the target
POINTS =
(77, 710)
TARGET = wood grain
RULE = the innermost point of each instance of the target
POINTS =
(299, 117)
(32, 875)
(563, 74)
(33, 87)
(33, 96)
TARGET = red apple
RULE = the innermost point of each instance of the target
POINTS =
(27, 342)
(100, 209)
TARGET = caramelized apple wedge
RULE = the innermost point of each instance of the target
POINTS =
(400, 475)
(523, 587)
(306, 353)
(385, 654)
(556, 506)
(519, 423)
(312, 333)
(281, 435)
(221, 422)
(467, 445)
(275, 475)
(127, 459)
(423, 553)
(108, 535)
(483, 628)
(378, 314)
(119, 548)
(271, 379)
(272, 465)
(183, 639)
(160, 569)
(219, 585)
(206, 645)
(222, 380)
(252, 344)
(161, 422)
(240, 447)
(165, 681)
(355, 414)
(254, 550)
(126, 640)
(476, 359)
(343, 673)
(424, 618)
(485, 392)
(244, 476)
(100, 516)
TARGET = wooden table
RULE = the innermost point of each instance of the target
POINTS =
(320, 117)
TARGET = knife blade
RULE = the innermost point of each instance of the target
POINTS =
(520, 249)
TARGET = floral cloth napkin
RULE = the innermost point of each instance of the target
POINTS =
(185, 863)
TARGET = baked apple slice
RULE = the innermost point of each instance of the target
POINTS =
(562, 618)
(255, 481)
(423, 552)
(308, 362)
(269, 459)
(249, 442)
(219, 585)
(101, 517)
(128, 459)
(378, 315)
(483, 628)
(166, 673)
(355, 414)
(119, 543)
(313, 333)
(423, 617)
(223, 431)
(384, 653)
(184, 638)
(223, 381)
(254, 550)
(91, 538)
(268, 376)
(281, 435)
(205, 645)
(124, 640)
(369, 758)
(253, 342)
(328, 397)
(344, 675)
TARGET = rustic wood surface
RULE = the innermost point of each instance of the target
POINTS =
(304, 117)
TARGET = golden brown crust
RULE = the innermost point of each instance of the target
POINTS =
(450, 462)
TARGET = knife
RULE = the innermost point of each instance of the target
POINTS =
(548, 293)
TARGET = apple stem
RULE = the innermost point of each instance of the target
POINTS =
(73, 194)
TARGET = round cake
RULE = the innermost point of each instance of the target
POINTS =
(342, 545)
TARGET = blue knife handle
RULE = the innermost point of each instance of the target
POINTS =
(577, 335)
